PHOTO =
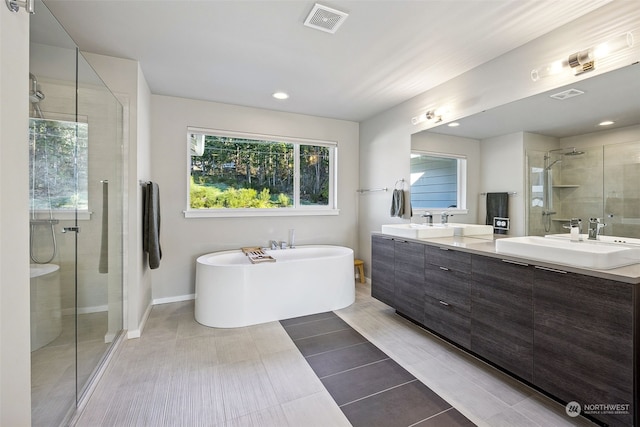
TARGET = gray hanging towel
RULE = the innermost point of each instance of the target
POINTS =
(497, 206)
(397, 203)
(151, 224)
(103, 265)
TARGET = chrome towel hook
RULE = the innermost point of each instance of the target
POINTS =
(15, 5)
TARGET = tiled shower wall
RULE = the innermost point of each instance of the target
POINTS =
(601, 183)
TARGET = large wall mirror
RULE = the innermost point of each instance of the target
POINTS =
(571, 166)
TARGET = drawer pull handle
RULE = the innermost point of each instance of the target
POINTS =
(553, 270)
(444, 268)
(444, 303)
(508, 261)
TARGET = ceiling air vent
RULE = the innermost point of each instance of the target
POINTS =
(325, 19)
(570, 93)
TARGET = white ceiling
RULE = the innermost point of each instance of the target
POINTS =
(240, 52)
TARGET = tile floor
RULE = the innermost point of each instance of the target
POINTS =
(371, 389)
(54, 367)
(182, 373)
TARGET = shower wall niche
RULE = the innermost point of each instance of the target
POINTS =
(600, 183)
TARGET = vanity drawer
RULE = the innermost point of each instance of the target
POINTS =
(451, 259)
(449, 320)
(450, 286)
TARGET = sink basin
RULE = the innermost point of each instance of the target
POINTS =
(418, 231)
(470, 229)
(601, 239)
(424, 231)
(598, 255)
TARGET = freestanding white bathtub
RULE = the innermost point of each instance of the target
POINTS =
(232, 292)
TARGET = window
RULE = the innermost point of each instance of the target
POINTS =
(236, 174)
(58, 165)
(438, 181)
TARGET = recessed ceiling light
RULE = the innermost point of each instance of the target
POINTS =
(453, 124)
(280, 95)
(606, 123)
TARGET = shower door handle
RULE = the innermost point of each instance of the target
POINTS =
(74, 229)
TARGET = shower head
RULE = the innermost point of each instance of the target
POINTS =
(574, 152)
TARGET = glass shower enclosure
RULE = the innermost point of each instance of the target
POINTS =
(594, 182)
(76, 213)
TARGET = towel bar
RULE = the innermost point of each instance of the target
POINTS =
(511, 193)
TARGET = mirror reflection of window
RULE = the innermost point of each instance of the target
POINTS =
(437, 181)
(537, 186)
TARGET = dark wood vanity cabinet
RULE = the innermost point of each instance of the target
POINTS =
(502, 314)
(583, 340)
(574, 336)
(447, 283)
(383, 269)
(409, 279)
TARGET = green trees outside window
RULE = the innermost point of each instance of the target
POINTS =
(58, 165)
(235, 172)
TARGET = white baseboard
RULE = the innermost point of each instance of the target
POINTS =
(178, 298)
(135, 333)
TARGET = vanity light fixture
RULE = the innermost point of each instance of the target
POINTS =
(453, 124)
(280, 95)
(606, 123)
(585, 60)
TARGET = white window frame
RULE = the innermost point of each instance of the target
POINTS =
(297, 209)
(461, 189)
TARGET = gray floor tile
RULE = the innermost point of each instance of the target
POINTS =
(328, 342)
(332, 362)
(364, 381)
(399, 407)
(318, 327)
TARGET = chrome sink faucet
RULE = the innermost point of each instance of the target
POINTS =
(428, 218)
(594, 228)
(575, 227)
(444, 217)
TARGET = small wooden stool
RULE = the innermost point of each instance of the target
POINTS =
(360, 265)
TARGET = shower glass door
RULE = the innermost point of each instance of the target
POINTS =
(99, 240)
(621, 189)
(76, 190)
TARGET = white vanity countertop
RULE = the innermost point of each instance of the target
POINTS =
(485, 245)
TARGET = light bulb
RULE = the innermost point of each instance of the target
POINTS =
(614, 45)
(547, 70)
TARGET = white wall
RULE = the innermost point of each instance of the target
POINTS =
(506, 154)
(183, 240)
(385, 139)
(606, 137)
(15, 366)
(125, 78)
